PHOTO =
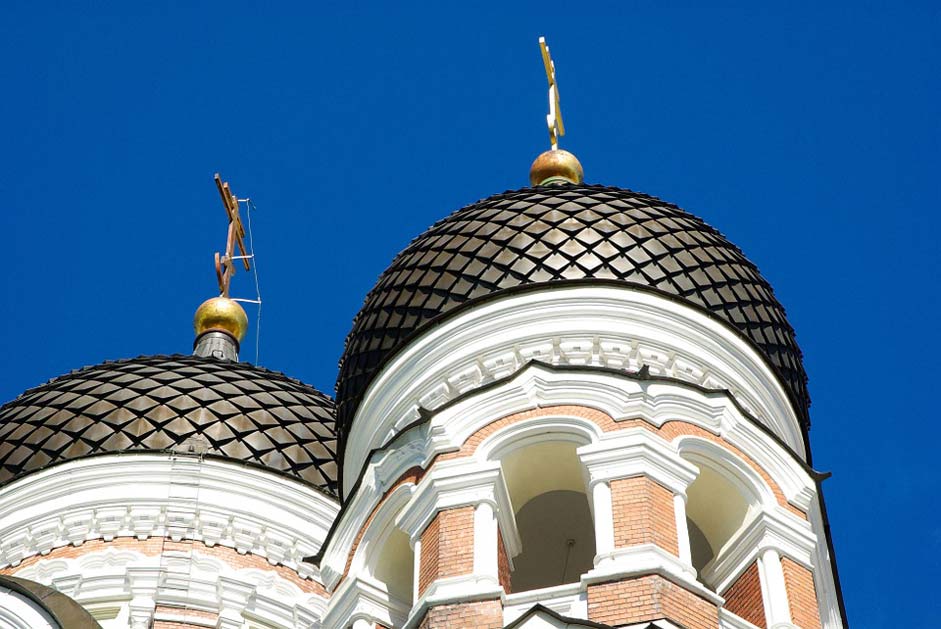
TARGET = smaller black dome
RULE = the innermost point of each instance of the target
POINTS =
(158, 403)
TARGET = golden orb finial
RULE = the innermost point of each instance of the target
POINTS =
(556, 167)
(221, 314)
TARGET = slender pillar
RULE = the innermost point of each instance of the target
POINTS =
(485, 541)
(682, 529)
(604, 517)
(774, 589)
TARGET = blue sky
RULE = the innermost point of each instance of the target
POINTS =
(809, 135)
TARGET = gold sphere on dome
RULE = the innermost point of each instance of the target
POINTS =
(221, 314)
(555, 167)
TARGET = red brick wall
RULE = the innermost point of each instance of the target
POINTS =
(447, 546)
(503, 564)
(801, 594)
(479, 615)
(428, 559)
(649, 598)
(743, 598)
(643, 514)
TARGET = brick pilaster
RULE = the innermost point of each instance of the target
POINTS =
(643, 514)
(447, 546)
(801, 595)
(743, 598)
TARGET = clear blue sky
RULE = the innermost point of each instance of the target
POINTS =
(809, 135)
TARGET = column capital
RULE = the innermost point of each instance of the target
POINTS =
(637, 452)
(461, 483)
(359, 599)
(776, 529)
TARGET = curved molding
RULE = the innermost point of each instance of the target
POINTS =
(164, 495)
(18, 611)
(529, 432)
(705, 453)
(196, 581)
(379, 528)
(614, 327)
(620, 396)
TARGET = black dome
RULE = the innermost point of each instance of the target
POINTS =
(157, 403)
(569, 233)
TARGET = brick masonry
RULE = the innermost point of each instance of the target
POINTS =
(503, 564)
(649, 598)
(801, 594)
(643, 514)
(480, 615)
(743, 598)
(447, 546)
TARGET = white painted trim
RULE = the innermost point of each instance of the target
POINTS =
(609, 326)
(163, 495)
(459, 483)
(728, 620)
(379, 529)
(460, 589)
(569, 599)
(195, 580)
(749, 483)
(360, 598)
(646, 559)
(538, 386)
(637, 452)
(825, 585)
(774, 528)
(21, 612)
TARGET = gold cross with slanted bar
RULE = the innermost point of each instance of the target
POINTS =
(224, 267)
(554, 119)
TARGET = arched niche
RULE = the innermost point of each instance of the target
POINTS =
(546, 484)
(385, 553)
(725, 497)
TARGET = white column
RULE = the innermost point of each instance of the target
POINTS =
(416, 570)
(362, 623)
(485, 541)
(682, 530)
(604, 517)
(774, 590)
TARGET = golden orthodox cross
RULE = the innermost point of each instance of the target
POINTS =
(225, 269)
(554, 119)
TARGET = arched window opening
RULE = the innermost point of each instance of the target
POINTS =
(395, 565)
(716, 510)
(553, 519)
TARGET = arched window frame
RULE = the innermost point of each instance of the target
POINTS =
(369, 551)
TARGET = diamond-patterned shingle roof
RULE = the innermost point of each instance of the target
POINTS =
(156, 403)
(569, 233)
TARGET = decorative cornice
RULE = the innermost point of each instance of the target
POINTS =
(194, 580)
(164, 495)
(602, 326)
